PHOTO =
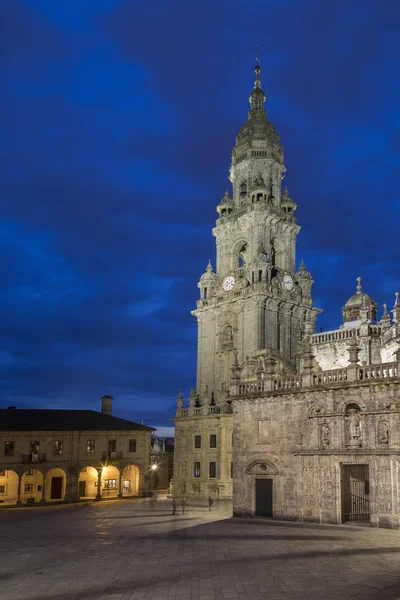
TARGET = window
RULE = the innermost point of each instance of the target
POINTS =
(90, 447)
(35, 447)
(231, 470)
(40, 488)
(30, 472)
(197, 441)
(2, 489)
(110, 484)
(28, 487)
(132, 445)
(213, 469)
(3, 473)
(8, 448)
(58, 447)
(213, 440)
(197, 469)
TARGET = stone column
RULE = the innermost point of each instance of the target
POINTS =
(98, 495)
(354, 350)
(43, 499)
(260, 323)
(19, 489)
(120, 484)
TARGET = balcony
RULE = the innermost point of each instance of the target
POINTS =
(34, 458)
(111, 455)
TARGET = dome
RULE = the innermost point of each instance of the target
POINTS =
(225, 206)
(209, 275)
(359, 306)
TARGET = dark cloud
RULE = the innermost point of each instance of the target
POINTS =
(119, 121)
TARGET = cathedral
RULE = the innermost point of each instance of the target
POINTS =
(288, 423)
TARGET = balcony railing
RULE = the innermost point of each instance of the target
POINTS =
(111, 455)
(34, 457)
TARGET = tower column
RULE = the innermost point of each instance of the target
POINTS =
(260, 323)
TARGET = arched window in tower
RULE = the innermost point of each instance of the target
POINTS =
(227, 338)
(241, 257)
(278, 337)
(278, 254)
(243, 189)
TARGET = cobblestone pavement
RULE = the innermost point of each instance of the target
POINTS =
(120, 550)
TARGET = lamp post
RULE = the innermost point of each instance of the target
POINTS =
(153, 470)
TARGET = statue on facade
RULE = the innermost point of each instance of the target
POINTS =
(354, 427)
(383, 433)
(156, 446)
(325, 435)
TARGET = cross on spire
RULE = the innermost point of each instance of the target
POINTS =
(257, 54)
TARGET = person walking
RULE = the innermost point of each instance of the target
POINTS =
(183, 505)
(210, 503)
(173, 505)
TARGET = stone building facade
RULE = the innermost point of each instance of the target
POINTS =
(287, 422)
(162, 462)
(70, 455)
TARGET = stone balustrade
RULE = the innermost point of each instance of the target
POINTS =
(339, 335)
(350, 374)
(333, 336)
(287, 383)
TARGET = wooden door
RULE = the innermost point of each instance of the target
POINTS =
(56, 488)
(264, 497)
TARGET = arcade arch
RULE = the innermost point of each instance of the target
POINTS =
(130, 480)
(87, 483)
(31, 486)
(56, 485)
(8, 487)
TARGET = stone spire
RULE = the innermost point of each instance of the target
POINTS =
(257, 97)
(396, 309)
(359, 286)
(385, 320)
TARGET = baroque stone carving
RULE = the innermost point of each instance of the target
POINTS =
(353, 426)
(325, 435)
(383, 433)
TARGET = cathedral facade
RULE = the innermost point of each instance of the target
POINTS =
(287, 422)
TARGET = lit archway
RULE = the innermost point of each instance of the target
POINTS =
(31, 486)
(56, 485)
(130, 480)
(110, 477)
(87, 483)
(8, 487)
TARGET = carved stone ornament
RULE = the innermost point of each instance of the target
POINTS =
(383, 433)
(261, 467)
(353, 425)
(325, 435)
(258, 181)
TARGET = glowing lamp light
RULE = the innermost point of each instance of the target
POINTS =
(154, 467)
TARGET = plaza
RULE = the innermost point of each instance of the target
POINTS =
(136, 549)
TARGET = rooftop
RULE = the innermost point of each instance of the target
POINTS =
(13, 419)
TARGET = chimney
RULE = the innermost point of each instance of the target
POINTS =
(106, 405)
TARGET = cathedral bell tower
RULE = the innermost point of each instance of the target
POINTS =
(254, 307)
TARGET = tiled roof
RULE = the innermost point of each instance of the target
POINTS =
(12, 419)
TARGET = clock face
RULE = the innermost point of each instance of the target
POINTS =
(229, 282)
(287, 282)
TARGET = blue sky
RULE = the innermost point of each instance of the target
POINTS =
(118, 122)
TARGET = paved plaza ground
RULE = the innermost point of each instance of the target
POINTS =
(135, 549)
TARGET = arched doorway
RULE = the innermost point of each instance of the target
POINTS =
(8, 487)
(130, 480)
(31, 486)
(56, 485)
(87, 483)
(110, 482)
(262, 472)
